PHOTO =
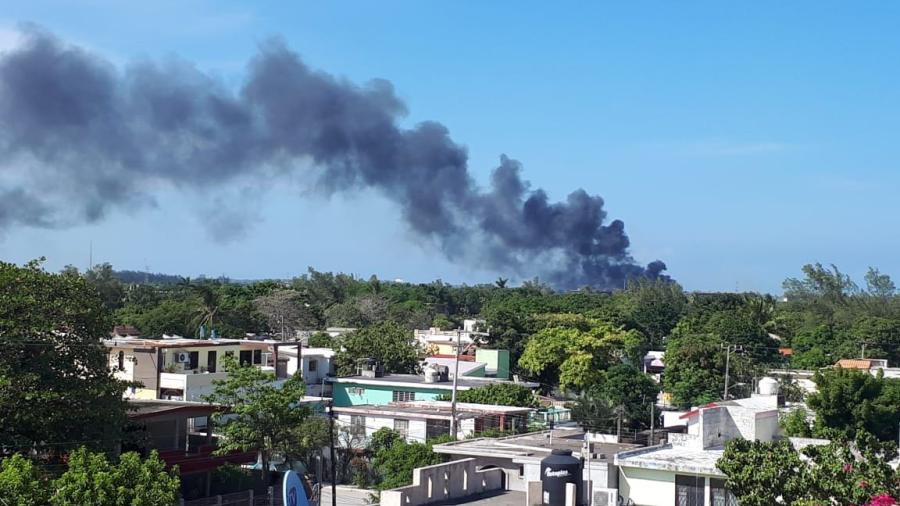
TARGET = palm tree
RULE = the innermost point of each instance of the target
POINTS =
(501, 282)
(208, 305)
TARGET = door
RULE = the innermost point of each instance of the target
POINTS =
(689, 490)
(194, 359)
(211, 361)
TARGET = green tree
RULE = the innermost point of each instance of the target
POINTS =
(627, 388)
(21, 483)
(206, 306)
(321, 340)
(796, 423)
(103, 278)
(442, 322)
(763, 474)
(393, 459)
(848, 400)
(170, 316)
(255, 413)
(387, 342)
(594, 412)
(576, 356)
(498, 394)
(654, 307)
(842, 472)
(55, 382)
(694, 366)
(91, 480)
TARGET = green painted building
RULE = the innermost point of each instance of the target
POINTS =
(362, 390)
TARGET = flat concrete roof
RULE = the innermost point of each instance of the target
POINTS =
(306, 352)
(465, 366)
(532, 446)
(180, 342)
(432, 409)
(148, 408)
(673, 458)
(416, 380)
(680, 458)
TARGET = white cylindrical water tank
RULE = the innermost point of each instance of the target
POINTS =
(768, 386)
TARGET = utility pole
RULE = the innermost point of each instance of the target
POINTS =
(453, 395)
(333, 459)
(652, 421)
(863, 350)
(619, 410)
(590, 482)
(728, 349)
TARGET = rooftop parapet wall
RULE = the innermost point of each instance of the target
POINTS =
(443, 482)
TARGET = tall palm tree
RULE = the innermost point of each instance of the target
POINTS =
(208, 305)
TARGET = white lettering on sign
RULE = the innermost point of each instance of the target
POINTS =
(556, 474)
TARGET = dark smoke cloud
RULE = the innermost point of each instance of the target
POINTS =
(79, 138)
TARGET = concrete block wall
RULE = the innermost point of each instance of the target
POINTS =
(442, 482)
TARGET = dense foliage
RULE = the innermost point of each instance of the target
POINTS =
(498, 394)
(578, 350)
(56, 389)
(393, 459)
(256, 414)
(622, 388)
(842, 472)
(849, 400)
(90, 480)
(387, 343)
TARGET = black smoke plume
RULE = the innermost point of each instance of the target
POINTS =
(80, 138)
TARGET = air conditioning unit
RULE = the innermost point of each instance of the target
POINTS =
(184, 357)
(606, 497)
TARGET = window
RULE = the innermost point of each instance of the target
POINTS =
(121, 360)
(211, 361)
(402, 427)
(313, 365)
(403, 395)
(689, 490)
(719, 493)
(257, 356)
(435, 428)
(358, 425)
(246, 357)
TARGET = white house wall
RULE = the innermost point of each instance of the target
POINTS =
(647, 487)
(415, 433)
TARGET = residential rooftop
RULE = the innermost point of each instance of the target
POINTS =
(178, 342)
(682, 458)
(432, 409)
(145, 408)
(406, 380)
(532, 446)
(291, 351)
(465, 367)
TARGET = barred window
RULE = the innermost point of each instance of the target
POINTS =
(402, 427)
(357, 425)
(403, 395)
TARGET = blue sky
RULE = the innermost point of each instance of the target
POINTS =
(736, 141)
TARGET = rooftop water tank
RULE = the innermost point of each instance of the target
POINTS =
(768, 386)
(557, 470)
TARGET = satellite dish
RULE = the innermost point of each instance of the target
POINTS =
(293, 493)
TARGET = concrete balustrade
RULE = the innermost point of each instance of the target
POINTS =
(442, 482)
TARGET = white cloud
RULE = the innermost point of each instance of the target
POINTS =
(10, 38)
